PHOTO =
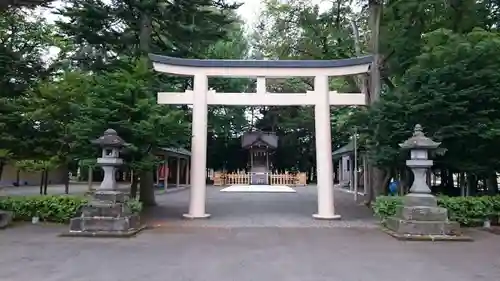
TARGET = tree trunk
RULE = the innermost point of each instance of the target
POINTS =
(66, 179)
(133, 186)
(42, 181)
(360, 81)
(45, 182)
(145, 32)
(375, 7)
(379, 180)
(2, 165)
(376, 175)
(406, 180)
(471, 184)
(492, 184)
(90, 176)
(18, 176)
(462, 183)
(428, 177)
(146, 189)
(386, 178)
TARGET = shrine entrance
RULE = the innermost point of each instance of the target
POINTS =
(321, 98)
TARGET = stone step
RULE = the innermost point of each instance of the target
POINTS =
(413, 227)
(5, 218)
(417, 199)
(421, 213)
(110, 196)
(104, 224)
(105, 209)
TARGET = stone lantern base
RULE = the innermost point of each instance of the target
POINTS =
(106, 215)
(5, 218)
(420, 218)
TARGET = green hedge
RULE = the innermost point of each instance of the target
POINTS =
(467, 211)
(50, 208)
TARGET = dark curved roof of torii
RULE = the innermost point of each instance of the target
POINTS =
(261, 63)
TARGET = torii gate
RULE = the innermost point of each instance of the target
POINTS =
(321, 98)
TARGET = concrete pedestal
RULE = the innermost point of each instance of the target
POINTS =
(5, 218)
(419, 218)
(107, 215)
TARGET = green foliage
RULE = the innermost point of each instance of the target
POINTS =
(36, 165)
(23, 44)
(465, 210)
(124, 100)
(53, 208)
(52, 108)
(385, 206)
(404, 23)
(134, 205)
(299, 29)
(89, 163)
(453, 91)
(178, 28)
(471, 210)
(57, 208)
(5, 155)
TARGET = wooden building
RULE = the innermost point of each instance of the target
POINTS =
(260, 146)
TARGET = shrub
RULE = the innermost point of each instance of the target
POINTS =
(57, 208)
(50, 208)
(134, 205)
(467, 211)
(385, 206)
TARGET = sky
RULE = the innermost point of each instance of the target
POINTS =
(249, 11)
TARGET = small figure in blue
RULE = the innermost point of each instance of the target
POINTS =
(393, 187)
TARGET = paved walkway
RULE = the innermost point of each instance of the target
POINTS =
(260, 209)
(265, 237)
(243, 254)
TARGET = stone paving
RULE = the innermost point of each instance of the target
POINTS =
(244, 254)
(265, 237)
(261, 209)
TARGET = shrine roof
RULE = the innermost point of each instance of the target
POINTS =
(223, 63)
(268, 138)
(175, 150)
(347, 149)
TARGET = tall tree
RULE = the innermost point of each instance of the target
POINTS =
(124, 100)
(107, 33)
(24, 41)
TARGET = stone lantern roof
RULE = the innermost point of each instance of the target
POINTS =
(110, 138)
(419, 140)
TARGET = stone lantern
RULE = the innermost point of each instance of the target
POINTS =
(111, 145)
(419, 217)
(107, 214)
(419, 146)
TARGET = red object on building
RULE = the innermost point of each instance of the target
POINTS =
(162, 171)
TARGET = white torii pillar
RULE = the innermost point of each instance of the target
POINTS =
(324, 159)
(198, 190)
